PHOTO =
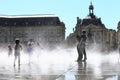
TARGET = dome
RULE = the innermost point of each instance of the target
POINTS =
(91, 6)
(91, 16)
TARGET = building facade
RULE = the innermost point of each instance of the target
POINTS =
(46, 29)
(97, 33)
(118, 35)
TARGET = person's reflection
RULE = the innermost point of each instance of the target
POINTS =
(17, 71)
(81, 75)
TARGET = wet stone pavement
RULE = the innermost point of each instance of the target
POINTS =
(61, 71)
(62, 67)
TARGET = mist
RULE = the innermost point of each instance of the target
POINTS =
(58, 55)
(49, 62)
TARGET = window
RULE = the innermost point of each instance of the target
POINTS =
(26, 23)
(14, 23)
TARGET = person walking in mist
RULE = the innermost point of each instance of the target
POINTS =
(30, 51)
(81, 46)
(17, 50)
(10, 50)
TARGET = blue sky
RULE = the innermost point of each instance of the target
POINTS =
(66, 10)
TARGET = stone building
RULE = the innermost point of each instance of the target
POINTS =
(118, 35)
(46, 29)
(97, 33)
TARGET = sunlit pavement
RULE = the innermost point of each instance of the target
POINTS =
(85, 71)
(61, 66)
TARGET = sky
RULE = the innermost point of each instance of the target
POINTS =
(66, 10)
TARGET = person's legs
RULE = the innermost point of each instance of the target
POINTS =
(29, 58)
(19, 60)
(15, 60)
(84, 53)
(80, 55)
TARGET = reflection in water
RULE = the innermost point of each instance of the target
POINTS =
(81, 75)
(82, 68)
(60, 65)
(17, 72)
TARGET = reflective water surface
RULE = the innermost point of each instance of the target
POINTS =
(60, 64)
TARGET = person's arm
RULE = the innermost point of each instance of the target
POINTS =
(81, 40)
(21, 47)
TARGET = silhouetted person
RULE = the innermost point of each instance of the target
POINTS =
(78, 49)
(30, 51)
(81, 46)
(10, 50)
(18, 49)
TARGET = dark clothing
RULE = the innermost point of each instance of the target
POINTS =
(81, 47)
(84, 38)
(80, 56)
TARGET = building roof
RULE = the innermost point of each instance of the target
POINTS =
(91, 19)
(28, 16)
(29, 20)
